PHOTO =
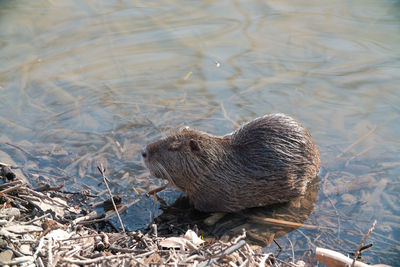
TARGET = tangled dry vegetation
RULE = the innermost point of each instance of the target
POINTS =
(45, 226)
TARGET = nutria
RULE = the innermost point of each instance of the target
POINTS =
(268, 160)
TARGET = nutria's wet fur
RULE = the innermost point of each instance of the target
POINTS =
(268, 160)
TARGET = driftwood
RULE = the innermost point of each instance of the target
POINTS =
(335, 259)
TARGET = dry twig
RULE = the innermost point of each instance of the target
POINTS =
(102, 172)
(362, 242)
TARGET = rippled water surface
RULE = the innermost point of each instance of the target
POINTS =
(89, 82)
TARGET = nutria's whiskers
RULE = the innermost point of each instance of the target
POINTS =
(165, 173)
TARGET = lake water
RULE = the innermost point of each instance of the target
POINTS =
(89, 82)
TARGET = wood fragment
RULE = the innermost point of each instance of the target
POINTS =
(335, 259)
(234, 247)
(2, 164)
(156, 190)
(37, 219)
(11, 189)
(18, 260)
(47, 187)
(9, 184)
(241, 237)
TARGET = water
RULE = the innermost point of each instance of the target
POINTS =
(89, 82)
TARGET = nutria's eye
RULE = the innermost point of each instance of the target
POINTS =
(194, 145)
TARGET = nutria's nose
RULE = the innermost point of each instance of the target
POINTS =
(144, 153)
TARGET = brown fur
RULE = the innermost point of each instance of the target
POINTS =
(268, 160)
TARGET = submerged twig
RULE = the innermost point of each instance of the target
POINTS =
(276, 243)
(359, 140)
(291, 246)
(332, 204)
(286, 223)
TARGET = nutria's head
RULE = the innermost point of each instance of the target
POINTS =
(181, 157)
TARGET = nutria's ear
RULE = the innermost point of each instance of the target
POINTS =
(194, 145)
(184, 128)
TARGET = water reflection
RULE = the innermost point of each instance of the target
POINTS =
(83, 82)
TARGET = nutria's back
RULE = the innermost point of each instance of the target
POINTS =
(268, 160)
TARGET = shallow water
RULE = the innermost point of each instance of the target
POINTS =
(88, 82)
